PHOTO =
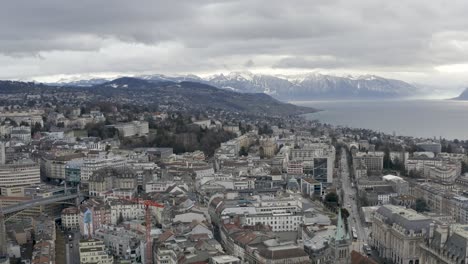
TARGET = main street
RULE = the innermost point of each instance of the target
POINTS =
(349, 201)
(72, 252)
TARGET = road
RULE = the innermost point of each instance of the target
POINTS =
(72, 253)
(349, 201)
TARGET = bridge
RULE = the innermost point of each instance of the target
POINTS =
(6, 212)
(36, 202)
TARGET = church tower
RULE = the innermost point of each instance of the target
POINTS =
(341, 242)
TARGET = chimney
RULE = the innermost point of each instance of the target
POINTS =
(444, 233)
(431, 230)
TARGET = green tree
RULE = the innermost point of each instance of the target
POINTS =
(363, 201)
(243, 152)
(344, 213)
(421, 205)
(261, 151)
(120, 219)
(464, 168)
(331, 197)
(23, 123)
(387, 161)
(36, 128)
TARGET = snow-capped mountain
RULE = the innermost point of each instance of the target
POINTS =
(315, 86)
(312, 86)
(79, 82)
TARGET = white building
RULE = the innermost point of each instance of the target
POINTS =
(281, 214)
(94, 251)
(22, 133)
(135, 128)
(90, 165)
(158, 186)
(120, 241)
(125, 210)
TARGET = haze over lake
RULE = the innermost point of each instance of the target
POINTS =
(419, 118)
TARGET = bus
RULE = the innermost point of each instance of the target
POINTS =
(354, 233)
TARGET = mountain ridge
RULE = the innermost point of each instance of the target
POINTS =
(463, 96)
(311, 86)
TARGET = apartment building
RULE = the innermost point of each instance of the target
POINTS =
(70, 218)
(373, 161)
(53, 167)
(21, 133)
(318, 160)
(20, 173)
(92, 164)
(94, 251)
(110, 178)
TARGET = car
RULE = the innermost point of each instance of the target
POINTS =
(367, 249)
(71, 245)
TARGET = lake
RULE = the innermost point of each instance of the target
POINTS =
(418, 118)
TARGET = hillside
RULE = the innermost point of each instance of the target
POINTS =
(167, 94)
(463, 96)
(193, 95)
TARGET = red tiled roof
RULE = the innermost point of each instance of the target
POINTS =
(358, 258)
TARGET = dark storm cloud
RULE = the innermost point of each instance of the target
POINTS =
(64, 37)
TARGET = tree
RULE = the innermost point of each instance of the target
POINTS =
(120, 219)
(344, 213)
(421, 205)
(331, 197)
(23, 123)
(387, 161)
(243, 151)
(363, 201)
(464, 168)
(261, 152)
(36, 128)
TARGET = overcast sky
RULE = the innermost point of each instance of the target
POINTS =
(423, 41)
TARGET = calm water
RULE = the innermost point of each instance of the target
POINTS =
(424, 118)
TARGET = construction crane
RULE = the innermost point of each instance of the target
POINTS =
(147, 204)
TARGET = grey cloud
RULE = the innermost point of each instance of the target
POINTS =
(64, 37)
(249, 63)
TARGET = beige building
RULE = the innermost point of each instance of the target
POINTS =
(397, 233)
(22, 173)
(110, 178)
(70, 218)
(54, 167)
(93, 251)
(373, 161)
(268, 148)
